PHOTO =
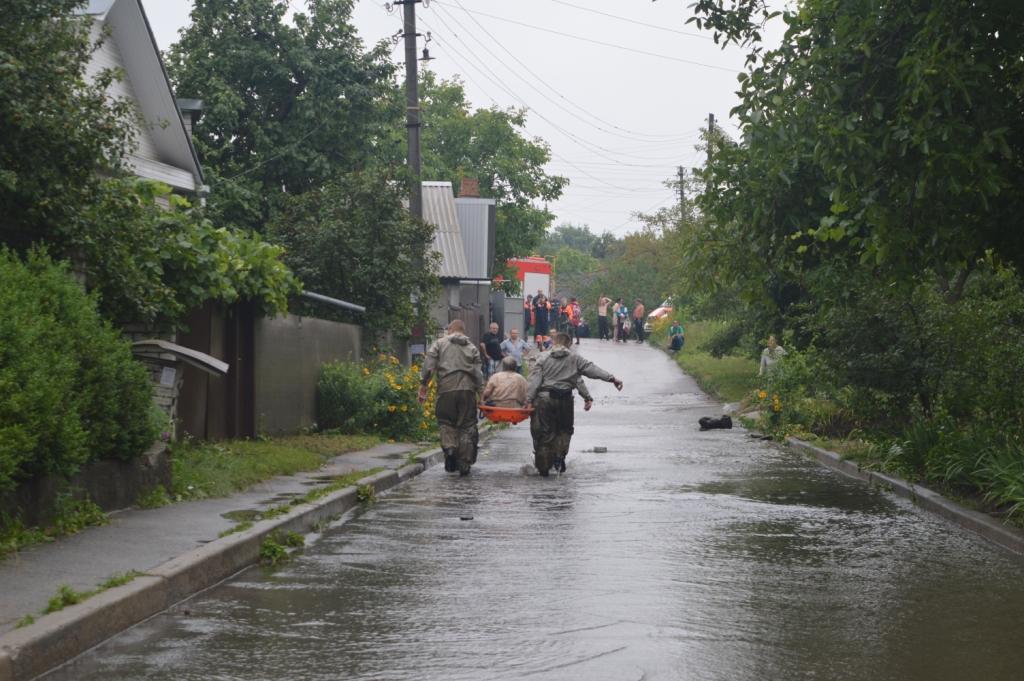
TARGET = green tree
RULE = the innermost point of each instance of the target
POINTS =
(489, 145)
(287, 108)
(884, 132)
(63, 183)
(59, 132)
(353, 239)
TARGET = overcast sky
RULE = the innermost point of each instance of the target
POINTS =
(620, 113)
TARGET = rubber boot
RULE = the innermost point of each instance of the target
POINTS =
(450, 466)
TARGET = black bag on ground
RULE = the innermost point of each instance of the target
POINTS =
(708, 423)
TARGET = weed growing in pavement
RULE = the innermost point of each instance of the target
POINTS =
(154, 498)
(25, 621)
(366, 494)
(70, 515)
(116, 579)
(272, 552)
(240, 527)
(274, 549)
(66, 596)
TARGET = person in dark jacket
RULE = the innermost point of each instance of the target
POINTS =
(552, 380)
(541, 318)
(455, 362)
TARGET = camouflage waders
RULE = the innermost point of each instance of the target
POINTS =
(551, 426)
(456, 418)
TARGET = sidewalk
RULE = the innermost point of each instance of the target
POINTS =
(144, 539)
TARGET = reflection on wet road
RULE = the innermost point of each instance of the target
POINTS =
(674, 555)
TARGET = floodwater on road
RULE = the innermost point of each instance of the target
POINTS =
(677, 554)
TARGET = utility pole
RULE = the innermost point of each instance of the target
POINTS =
(711, 131)
(412, 105)
(682, 191)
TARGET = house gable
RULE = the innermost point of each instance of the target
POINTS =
(164, 150)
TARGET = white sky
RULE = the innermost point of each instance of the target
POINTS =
(618, 122)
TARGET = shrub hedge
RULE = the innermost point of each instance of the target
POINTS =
(374, 397)
(70, 391)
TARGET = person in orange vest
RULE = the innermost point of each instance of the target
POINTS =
(575, 314)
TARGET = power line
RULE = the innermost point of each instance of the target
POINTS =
(629, 134)
(496, 80)
(634, 21)
(460, 56)
(591, 40)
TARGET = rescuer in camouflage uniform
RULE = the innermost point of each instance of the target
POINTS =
(551, 383)
(456, 362)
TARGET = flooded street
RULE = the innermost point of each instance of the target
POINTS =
(676, 554)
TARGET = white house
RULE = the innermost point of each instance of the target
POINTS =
(164, 150)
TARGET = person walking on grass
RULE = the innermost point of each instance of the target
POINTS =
(454, 362)
(638, 320)
(552, 380)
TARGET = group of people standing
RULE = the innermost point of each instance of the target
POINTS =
(616, 322)
(546, 317)
(456, 365)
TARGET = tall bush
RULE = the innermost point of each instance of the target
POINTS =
(377, 397)
(70, 391)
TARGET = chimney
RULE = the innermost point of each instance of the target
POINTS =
(469, 189)
(191, 110)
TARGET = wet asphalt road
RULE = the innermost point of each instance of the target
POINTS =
(675, 555)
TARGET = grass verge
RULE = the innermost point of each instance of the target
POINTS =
(216, 469)
(729, 378)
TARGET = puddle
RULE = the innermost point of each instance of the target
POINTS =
(245, 515)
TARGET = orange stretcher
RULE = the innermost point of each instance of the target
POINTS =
(505, 414)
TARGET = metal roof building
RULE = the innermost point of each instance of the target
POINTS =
(439, 210)
(478, 220)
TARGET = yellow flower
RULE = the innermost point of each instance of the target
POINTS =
(762, 394)
(391, 408)
(366, 372)
(405, 408)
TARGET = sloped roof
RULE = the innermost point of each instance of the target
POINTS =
(131, 31)
(439, 210)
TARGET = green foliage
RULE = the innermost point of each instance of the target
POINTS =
(289, 105)
(274, 549)
(25, 621)
(366, 494)
(64, 184)
(59, 131)
(154, 498)
(201, 470)
(729, 377)
(154, 263)
(353, 239)
(72, 512)
(378, 396)
(117, 579)
(64, 597)
(489, 145)
(70, 391)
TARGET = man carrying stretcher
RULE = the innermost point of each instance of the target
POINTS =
(549, 392)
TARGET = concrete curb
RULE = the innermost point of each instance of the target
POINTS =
(61, 636)
(974, 521)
